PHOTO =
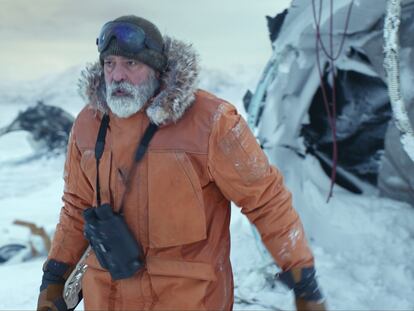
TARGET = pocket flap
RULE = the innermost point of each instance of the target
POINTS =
(176, 268)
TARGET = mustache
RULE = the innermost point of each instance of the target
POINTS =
(123, 87)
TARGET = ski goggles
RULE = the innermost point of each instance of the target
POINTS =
(130, 38)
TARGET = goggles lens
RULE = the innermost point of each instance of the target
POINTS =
(130, 37)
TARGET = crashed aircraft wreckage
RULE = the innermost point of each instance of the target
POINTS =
(49, 127)
(298, 105)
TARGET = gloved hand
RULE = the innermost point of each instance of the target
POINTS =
(306, 305)
(308, 297)
(54, 277)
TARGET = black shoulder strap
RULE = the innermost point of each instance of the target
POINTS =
(100, 141)
(143, 145)
(99, 149)
(139, 154)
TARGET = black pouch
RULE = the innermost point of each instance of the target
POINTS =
(113, 243)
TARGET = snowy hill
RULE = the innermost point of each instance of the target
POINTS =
(363, 245)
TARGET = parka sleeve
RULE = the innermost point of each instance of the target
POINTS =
(69, 242)
(241, 170)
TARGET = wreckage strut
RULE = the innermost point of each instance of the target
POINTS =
(392, 69)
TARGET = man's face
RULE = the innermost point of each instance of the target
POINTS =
(129, 84)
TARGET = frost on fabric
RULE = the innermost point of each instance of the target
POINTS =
(237, 130)
(219, 112)
(242, 150)
(284, 252)
(294, 235)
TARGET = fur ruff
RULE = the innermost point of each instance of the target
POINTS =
(178, 84)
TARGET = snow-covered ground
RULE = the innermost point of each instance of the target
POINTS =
(363, 245)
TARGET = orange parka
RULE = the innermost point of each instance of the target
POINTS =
(202, 157)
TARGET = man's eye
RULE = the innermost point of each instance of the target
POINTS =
(107, 63)
(131, 62)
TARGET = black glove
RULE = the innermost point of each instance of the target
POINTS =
(308, 297)
(54, 277)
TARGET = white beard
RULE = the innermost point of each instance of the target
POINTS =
(134, 98)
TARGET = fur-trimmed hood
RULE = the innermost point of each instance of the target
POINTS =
(179, 84)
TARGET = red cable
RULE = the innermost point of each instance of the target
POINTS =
(347, 22)
(335, 144)
(332, 59)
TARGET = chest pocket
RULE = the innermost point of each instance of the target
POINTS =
(176, 206)
(88, 166)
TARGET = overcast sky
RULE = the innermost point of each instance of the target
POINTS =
(40, 37)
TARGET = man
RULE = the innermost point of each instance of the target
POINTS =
(174, 199)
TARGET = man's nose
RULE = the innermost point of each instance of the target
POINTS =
(119, 74)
